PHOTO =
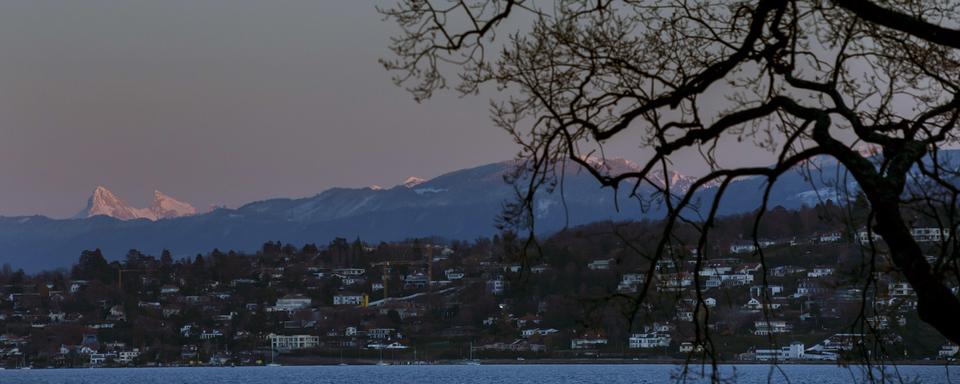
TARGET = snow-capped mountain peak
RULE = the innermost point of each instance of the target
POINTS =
(103, 202)
(165, 207)
(413, 181)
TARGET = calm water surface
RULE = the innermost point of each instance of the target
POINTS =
(514, 374)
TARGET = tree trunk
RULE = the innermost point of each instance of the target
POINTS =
(936, 304)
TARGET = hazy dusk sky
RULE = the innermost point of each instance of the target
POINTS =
(214, 102)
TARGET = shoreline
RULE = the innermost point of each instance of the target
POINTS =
(323, 362)
(673, 362)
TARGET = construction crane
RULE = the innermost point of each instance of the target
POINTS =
(387, 268)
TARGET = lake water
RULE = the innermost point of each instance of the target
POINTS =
(483, 374)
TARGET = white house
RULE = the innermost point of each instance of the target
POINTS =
(842, 342)
(687, 347)
(664, 327)
(600, 264)
(350, 271)
(808, 288)
(900, 289)
(765, 328)
(715, 270)
(127, 357)
(496, 285)
(649, 340)
(712, 282)
(666, 265)
(350, 280)
(292, 303)
(349, 298)
(76, 285)
(207, 335)
(453, 274)
(784, 270)
(831, 237)
(755, 304)
(750, 247)
(879, 322)
(526, 333)
(56, 317)
(738, 248)
(169, 289)
(633, 278)
(747, 268)
(920, 234)
(794, 352)
(416, 280)
(293, 342)
(587, 343)
(630, 281)
(865, 237)
(380, 333)
(948, 351)
(818, 272)
(929, 234)
(98, 359)
(738, 278)
(674, 281)
(772, 290)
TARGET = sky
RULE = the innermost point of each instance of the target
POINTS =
(214, 102)
(217, 103)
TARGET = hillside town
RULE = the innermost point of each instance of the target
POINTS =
(432, 301)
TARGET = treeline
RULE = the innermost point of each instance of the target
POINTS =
(621, 240)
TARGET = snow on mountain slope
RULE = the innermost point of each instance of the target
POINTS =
(105, 203)
(165, 207)
(413, 181)
(678, 183)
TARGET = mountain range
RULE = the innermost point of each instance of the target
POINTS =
(463, 204)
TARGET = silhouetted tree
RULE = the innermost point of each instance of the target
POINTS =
(93, 266)
(165, 258)
(872, 86)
